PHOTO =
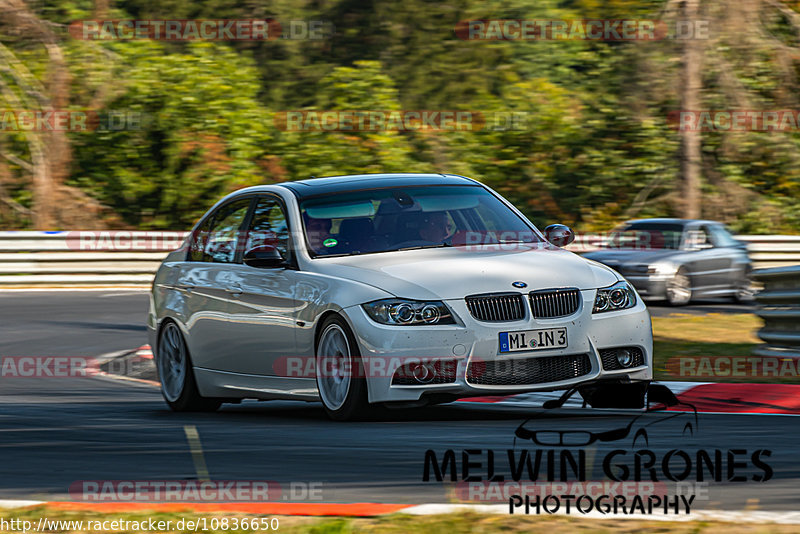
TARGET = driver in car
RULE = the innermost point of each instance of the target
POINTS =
(317, 230)
(435, 227)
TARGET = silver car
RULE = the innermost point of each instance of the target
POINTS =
(389, 289)
(679, 260)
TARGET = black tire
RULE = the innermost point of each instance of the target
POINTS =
(340, 403)
(183, 396)
(621, 396)
(744, 293)
(679, 289)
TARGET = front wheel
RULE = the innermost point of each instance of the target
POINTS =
(679, 289)
(340, 379)
(175, 373)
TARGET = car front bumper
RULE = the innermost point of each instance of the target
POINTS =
(474, 343)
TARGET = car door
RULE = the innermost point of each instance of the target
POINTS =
(204, 280)
(262, 310)
(708, 264)
(738, 263)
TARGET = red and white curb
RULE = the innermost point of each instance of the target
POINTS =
(145, 352)
(258, 508)
(9, 504)
(377, 509)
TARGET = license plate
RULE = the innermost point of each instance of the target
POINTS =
(525, 340)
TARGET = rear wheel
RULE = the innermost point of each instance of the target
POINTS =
(175, 373)
(340, 378)
(679, 289)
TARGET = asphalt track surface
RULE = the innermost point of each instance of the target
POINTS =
(56, 431)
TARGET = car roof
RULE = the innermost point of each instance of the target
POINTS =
(682, 222)
(361, 182)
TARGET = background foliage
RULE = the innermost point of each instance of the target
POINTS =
(596, 148)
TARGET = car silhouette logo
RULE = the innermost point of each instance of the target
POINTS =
(519, 284)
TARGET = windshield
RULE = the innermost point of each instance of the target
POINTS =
(647, 235)
(383, 220)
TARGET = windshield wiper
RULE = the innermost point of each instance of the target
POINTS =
(438, 245)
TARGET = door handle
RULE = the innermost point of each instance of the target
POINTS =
(186, 287)
(235, 291)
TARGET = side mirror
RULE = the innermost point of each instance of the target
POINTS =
(559, 235)
(660, 394)
(265, 256)
(694, 247)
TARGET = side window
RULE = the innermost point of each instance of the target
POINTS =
(698, 238)
(487, 222)
(722, 237)
(199, 238)
(224, 233)
(704, 238)
(269, 227)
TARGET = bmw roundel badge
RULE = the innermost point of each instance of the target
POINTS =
(520, 285)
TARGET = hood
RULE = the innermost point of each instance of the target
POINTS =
(616, 257)
(453, 273)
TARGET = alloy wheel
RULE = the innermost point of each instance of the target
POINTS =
(334, 366)
(172, 362)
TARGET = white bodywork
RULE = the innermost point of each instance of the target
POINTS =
(239, 321)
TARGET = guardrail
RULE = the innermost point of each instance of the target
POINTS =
(83, 258)
(129, 258)
(779, 308)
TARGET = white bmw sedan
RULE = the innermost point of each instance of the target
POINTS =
(391, 289)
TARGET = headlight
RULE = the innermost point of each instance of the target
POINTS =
(408, 312)
(663, 269)
(620, 296)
